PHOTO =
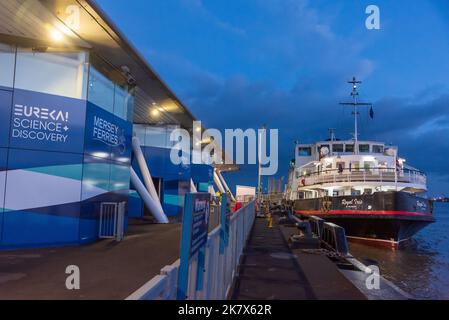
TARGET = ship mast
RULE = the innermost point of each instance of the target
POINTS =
(355, 103)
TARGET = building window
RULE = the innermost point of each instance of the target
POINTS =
(116, 98)
(378, 149)
(349, 148)
(62, 74)
(337, 148)
(304, 151)
(101, 90)
(364, 148)
(155, 136)
(7, 63)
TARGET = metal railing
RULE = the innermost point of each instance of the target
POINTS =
(335, 237)
(220, 267)
(112, 219)
(364, 175)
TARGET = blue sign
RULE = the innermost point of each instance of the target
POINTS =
(107, 136)
(47, 122)
(200, 222)
(195, 225)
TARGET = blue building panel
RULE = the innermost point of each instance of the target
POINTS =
(3, 164)
(5, 115)
(41, 201)
(47, 122)
(107, 136)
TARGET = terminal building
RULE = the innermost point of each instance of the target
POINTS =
(73, 93)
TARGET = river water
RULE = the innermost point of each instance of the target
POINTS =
(422, 268)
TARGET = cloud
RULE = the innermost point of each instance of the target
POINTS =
(299, 44)
(199, 8)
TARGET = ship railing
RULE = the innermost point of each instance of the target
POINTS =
(365, 175)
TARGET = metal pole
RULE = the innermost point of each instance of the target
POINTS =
(225, 185)
(145, 172)
(147, 199)
(259, 184)
(218, 182)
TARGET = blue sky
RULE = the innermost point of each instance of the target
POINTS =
(242, 63)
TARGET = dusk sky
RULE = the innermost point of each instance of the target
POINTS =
(243, 63)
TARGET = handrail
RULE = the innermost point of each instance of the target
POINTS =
(219, 271)
(364, 175)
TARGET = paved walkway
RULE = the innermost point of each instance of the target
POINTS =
(109, 270)
(271, 271)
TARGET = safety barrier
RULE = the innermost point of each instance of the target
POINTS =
(316, 224)
(220, 267)
(111, 224)
(334, 237)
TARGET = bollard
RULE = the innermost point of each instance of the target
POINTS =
(270, 221)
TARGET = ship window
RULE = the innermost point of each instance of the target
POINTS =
(355, 192)
(368, 165)
(337, 148)
(336, 193)
(364, 148)
(349, 148)
(304, 151)
(378, 149)
(368, 191)
(355, 166)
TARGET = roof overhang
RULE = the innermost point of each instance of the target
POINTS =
(86, 26)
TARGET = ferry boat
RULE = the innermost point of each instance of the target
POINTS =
(363, 186)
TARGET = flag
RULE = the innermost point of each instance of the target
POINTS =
(371, 113)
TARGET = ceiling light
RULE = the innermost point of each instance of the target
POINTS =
(56, 34)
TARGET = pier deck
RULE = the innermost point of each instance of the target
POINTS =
(271, 271)
(109, 270)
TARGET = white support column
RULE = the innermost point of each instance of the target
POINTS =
(225, 185)
(192, 186)
(218, 182)
(145, 172)
(150, 203)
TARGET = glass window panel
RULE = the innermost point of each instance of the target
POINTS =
(139, 131)
(304, 151)
(364, 148)
(62, 74)
(337, 148)
(101, 90)
(156, 137)
(121, 102)
(378, 149)
(170, 129)
(7, 62)
(349, 148)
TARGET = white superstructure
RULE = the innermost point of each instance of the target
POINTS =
(335, 168)
(350, 167)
